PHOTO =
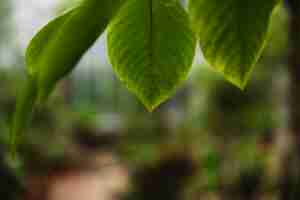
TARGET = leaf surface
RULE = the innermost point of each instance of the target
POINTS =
(59, 46)
(40, 42)
(27, 95)
(151, 47)
(54, 52)
(232, 34)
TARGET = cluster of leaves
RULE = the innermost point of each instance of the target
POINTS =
(151, 45)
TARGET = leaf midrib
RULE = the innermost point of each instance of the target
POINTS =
(151, 40)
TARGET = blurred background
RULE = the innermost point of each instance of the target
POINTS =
(94, 140)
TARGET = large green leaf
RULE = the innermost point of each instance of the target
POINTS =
(55, 50)
(232, 34)
(59, 46)
(28, 93)
(151, 47)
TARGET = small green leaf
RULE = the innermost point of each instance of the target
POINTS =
(151, 47)
(232, 34)
(58, 47)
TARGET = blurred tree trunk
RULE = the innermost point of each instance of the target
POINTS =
(294, 70)
(290, 168)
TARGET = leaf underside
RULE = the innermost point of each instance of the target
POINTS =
(232, 34)
(151, 46)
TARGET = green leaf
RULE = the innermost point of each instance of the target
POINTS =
(28, 94)
(232, 34)
(40, 41)
(58, 47)
(151, 46)
(54, 52)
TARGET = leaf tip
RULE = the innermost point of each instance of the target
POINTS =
(239, 80)
(151, 103)
(239, 83)
(150, 108)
